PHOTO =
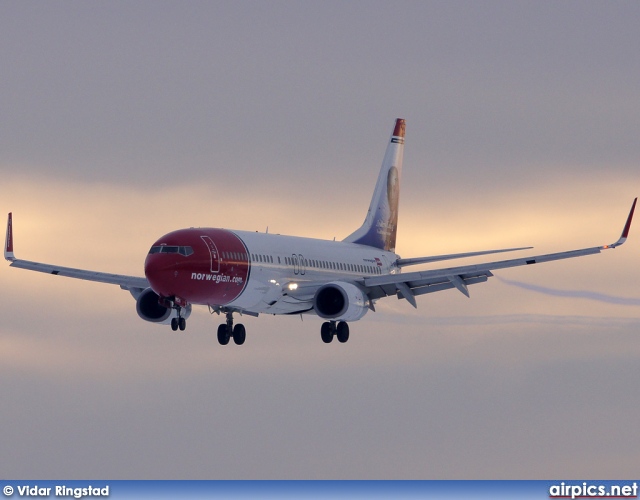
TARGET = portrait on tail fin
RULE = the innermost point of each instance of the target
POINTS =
(393, 197)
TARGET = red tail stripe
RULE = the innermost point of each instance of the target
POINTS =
(398, 131)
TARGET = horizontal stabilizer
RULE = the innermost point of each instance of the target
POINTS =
(424, 260)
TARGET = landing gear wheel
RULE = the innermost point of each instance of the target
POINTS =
(342, 332)
(326, 332)
(182, 324)
(239, 334)
(223, 334)
(174, 324)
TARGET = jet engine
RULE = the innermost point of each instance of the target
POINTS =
(149, 308)
(340, 301)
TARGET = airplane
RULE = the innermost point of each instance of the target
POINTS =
(250, 273)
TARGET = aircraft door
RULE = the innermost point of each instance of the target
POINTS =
(213, 253)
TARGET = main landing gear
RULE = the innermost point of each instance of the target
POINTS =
(226, 331)
(329, 329)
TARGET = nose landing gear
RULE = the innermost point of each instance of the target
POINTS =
(180, 323)
(178, 305)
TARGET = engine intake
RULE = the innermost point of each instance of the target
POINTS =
(340, 301)
(149, 308)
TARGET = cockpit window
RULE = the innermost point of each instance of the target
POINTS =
(184, 250)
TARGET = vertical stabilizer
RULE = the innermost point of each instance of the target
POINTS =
(380, 226)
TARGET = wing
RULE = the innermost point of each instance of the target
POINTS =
(409, 285)
(125, 282)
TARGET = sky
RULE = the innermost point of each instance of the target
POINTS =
(122, 121)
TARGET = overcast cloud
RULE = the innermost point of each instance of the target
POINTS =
(122, 121)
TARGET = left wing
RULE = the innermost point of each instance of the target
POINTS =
(125, 282)
(409, 285)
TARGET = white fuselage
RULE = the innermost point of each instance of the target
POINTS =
(279, 261)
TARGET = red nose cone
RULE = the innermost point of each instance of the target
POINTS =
(157, 273)
(165, 263)
(201, 266)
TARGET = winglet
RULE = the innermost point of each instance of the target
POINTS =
(625, 231)
(8, 245)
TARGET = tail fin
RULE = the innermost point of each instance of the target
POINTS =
(380, 225)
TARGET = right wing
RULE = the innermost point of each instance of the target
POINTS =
(408, 285)
(125, 282)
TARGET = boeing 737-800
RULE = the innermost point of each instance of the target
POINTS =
(259, 273)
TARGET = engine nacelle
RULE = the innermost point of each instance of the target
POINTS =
(340, 301)
(149, 309)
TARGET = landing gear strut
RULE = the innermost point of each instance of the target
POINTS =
(329, 329)
(226, 331)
